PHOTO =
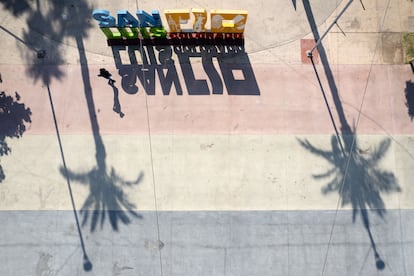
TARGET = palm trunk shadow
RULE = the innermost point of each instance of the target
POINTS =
(378, 261)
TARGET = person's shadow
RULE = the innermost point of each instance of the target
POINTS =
(117, 105)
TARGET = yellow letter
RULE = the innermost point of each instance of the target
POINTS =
(175, 18)
(200, 20)
(228, 21)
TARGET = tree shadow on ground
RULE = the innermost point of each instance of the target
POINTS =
(17, 7)
(355, 173)
(409, 96)
(39, 42)
(39, 45)
(49, 24)
(46, 55)
(358, 179)
(106, 197)
(14, 116)
(294, 4)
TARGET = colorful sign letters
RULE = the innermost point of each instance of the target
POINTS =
(186, 26)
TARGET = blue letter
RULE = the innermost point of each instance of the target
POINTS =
(125, 19)
(105, 20)
(146, 20)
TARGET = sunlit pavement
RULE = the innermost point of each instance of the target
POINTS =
(208, 162)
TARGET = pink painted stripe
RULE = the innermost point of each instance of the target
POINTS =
(290, 102)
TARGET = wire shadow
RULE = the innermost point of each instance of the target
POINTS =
(354, 172)
(14, 116)
(148, 62)
(409, 97)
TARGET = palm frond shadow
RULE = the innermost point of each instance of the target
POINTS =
(106, 197)
(45, 52)
(358, 178)
(17, 7)
(41, 42)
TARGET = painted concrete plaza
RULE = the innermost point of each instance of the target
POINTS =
(226, 160)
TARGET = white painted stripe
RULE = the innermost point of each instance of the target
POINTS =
(192, 172)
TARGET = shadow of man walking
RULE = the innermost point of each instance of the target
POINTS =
(105, 74)
(117, 105)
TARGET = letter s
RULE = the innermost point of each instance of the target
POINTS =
(105, 20)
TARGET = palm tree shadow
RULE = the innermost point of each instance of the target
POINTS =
(358, 179)
(106, 197)
(44, 55)
(13, 117)
(355, 173)
(41, 41)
